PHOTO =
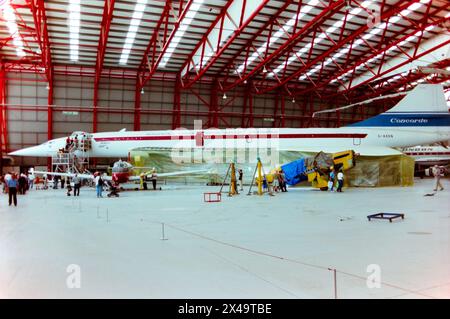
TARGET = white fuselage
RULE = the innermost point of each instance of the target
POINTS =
(369, 141)
(366, 141)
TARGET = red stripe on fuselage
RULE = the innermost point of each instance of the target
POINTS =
(224, 137)
(427, 154)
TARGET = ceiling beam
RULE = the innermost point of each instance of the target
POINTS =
(159, 44)
(105, 26)
(291, 41)
(212, 45)
(266, 86)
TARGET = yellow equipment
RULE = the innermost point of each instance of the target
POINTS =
(233, 184)
(344, 160)
(233, 188)
(318, 173)
(258, 179)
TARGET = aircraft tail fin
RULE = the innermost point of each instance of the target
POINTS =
(425, 105)
(424, 98)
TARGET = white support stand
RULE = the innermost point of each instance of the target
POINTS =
(163, 233)
(334, 282)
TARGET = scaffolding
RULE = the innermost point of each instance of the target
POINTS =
(74, 158)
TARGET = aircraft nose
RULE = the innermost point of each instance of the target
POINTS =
(29, 151)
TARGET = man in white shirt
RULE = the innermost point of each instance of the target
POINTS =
(31, 178)
(438, 172)
(340, 178)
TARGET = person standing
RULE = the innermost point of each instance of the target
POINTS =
(240, 178)
(12, 189)
(283, 181)
(76, 185)
(69, 187)
(340, 178)
(68, 142)
(276, 183)
(22, 184)
(154, 178)
(8, 176)
(141, 181)
(98, 185)
(270, 178)
(45, 179)
(438, 172)
(55, 182)
(31, 178)
(331, 179)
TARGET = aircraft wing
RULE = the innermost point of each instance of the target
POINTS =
(82, 176)
(361, 150)
(176, 173)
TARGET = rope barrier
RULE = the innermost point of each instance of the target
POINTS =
(294, 260)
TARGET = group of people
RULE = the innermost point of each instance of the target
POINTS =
(275, 182)
(14, 183)
(153, 178)
(333, 177)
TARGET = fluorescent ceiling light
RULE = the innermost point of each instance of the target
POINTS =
(377, 30)
(282, 30)
(74, 28)
(10, 18)
(184, 24)
(138, 13)
(336, 25)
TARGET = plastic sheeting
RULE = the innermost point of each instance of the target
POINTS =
(369, 171)
(379, 171)
(294, 172)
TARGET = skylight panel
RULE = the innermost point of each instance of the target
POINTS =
(377, 30)
(135, 22)
(74, 28)
(336, 25)
(10, 18)
(184, 24)
(282, 30)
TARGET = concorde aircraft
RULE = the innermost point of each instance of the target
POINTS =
(421, 117)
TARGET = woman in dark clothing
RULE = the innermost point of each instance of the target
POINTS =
(22, 184)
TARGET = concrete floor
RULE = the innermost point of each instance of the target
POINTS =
(243, 247)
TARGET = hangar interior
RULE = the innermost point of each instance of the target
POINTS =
(144, 65)
(62, 72)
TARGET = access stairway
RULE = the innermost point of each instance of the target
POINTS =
(74, 158)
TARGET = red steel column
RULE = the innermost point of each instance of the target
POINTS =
(250, 109)
(137, 106)
(94, 110)
(247, 119)
(50, 116)
(276, 123)
(214, 105)
(107, 17)
(176, 114)
(3, 116)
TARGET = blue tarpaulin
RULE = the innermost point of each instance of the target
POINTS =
(294, 170)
